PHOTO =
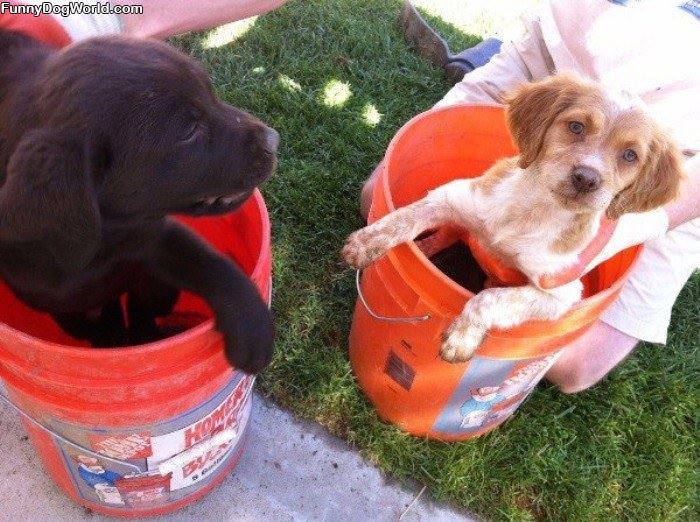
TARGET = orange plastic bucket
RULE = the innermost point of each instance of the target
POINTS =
(406, 302)
(146, 430)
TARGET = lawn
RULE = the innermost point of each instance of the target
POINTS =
(337, 80)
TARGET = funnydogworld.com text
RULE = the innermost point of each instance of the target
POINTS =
(70, 8)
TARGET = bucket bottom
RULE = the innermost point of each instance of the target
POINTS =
(148, 470)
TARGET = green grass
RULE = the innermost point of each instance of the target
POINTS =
(625, 450)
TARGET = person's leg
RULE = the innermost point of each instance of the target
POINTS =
(642, 311)
(686, 207)
(165, 18)
(586, 361)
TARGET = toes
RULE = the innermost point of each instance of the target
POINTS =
(352, 251)
(251, 357)
(455, 353)
(459, 345)
(351, 254)
(448, 351)
(359, 252)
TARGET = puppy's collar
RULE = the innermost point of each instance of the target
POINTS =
(43, 28)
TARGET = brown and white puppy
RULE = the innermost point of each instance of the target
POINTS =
(99, 143)
(584, 151)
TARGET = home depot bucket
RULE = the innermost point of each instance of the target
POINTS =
(144, 430)
(405, 302)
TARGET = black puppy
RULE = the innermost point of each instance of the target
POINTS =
(99, 143)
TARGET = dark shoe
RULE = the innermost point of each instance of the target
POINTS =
(417, 31)
(469, 59)
(432, 46)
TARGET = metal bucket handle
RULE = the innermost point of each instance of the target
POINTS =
(375, 315)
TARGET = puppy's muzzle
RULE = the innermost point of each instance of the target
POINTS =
(585, 179)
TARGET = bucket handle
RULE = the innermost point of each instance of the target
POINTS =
(375, 315)
(162, 469)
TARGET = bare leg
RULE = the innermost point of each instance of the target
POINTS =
(687, 206)
(165, 18)
(590, 358)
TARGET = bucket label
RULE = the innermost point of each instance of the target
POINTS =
(489, 392)
(119, 469)
(123, 447)
(227, 415)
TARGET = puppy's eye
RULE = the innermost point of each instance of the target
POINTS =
(629, 155)
(576, 127)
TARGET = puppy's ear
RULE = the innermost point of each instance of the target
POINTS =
(532, 107)
(658, 182)
(49, 196)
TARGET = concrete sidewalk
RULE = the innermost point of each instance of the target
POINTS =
(291, 471)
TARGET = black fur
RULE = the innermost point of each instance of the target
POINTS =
(99, 143)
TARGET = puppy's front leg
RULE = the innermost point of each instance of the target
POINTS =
(452, 202)
(182, 259)
(504, 308)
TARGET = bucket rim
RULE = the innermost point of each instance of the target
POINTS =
(163, 344)
(411, 248)
(402, 253)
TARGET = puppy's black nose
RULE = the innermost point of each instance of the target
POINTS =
(272, 140)
(585, 179)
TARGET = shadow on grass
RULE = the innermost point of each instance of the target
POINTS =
(314, 70)
(456, 39)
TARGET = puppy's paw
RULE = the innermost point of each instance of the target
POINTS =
(460, 341)
(362, 248)
(248, 336)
